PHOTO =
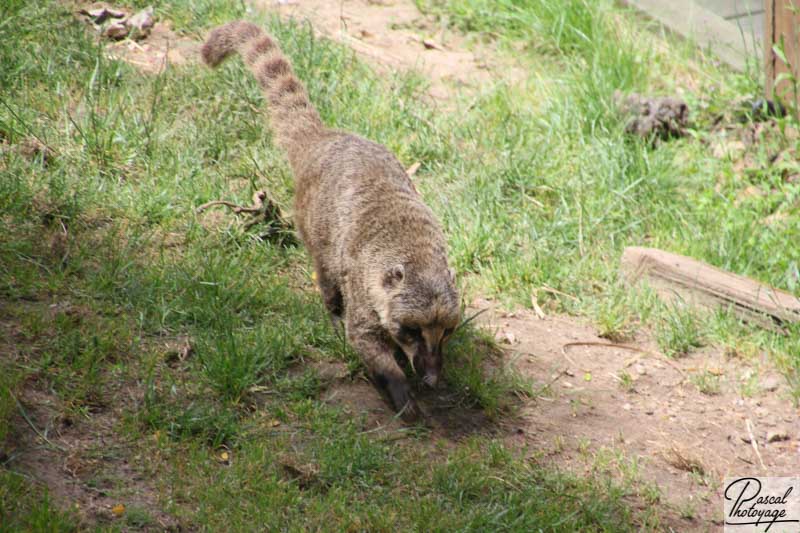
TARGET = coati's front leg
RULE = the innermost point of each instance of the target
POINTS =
(331, 296)
(377, 352)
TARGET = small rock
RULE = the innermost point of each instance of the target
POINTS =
(777, 436)
(509, 338)
(99, 13)
(770, 383)
(627, 406)
(570, 373)
(640, 369)
(745, 438)
(116, 31)
(649, 412)
(141, 23)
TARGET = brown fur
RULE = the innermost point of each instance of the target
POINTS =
(378, 250)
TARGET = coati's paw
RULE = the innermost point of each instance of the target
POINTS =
(399, 395)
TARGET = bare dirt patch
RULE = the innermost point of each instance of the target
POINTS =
(163, 47)
(395, 35)
(137, 39)
(83, 460)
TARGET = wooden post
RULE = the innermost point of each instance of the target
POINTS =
(782, 25)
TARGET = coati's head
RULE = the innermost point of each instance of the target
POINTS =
(420, 311)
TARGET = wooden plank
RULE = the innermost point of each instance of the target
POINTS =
(782, 24)
(752, 25)
(708, 29)
(732, 8)
(701, 284)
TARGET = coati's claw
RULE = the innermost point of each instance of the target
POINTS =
(403, 402)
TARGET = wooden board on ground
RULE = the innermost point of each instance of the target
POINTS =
(695, 282)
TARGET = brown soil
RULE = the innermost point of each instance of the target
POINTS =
(81, 460)
(159, 50)
(393, 34)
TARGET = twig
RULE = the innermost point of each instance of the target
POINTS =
(33, 427)
(749, 425)
(551, 290)
(549, 383)
(262, 210)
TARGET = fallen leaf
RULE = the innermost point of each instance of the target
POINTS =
(274, 423)
(536, 309)
(410, 171)
(118, 510)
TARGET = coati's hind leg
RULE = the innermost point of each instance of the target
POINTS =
(377, 352)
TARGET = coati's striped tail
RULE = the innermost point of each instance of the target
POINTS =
(294, 119)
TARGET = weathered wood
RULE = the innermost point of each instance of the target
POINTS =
(708, 29)
(699, 283)
(730, 9)
(781, 25)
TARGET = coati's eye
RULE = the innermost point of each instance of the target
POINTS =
(410, 333)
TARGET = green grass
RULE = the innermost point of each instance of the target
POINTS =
(105, 266)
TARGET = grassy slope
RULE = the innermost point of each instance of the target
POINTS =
(103, 262)
(557, 191)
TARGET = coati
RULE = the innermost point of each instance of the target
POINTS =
(378, 251)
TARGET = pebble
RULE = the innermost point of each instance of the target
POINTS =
(777, 436)
(770, 384)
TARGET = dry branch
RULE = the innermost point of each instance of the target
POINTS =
(262, 211)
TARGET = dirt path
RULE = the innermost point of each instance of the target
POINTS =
(393, 34)
(651, 409)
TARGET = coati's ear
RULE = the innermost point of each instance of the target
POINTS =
(452, 272)
(393, 276)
